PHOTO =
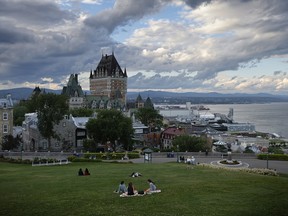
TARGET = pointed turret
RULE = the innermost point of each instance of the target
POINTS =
(91, 74)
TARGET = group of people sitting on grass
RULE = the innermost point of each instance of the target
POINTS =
(85, 173)
(131, 191)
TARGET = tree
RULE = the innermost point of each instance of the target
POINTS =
(149, 117)
(10, 142)
(111, 126)
(190, 143)
(19, 112)
(51, 109)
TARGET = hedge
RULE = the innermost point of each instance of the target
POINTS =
(280, 157)
(103, 156)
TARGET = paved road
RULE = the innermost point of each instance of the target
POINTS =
(279, 166)
(252, 161)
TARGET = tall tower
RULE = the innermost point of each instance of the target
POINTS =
(109, 80)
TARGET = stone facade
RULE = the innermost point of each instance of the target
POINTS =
(108, 84)
(71, 131)
(6, 117)
(74, 92)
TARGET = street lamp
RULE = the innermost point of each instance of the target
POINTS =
(177, 153)
(21, 150)
(267, 159)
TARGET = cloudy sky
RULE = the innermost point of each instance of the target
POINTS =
(222, 46)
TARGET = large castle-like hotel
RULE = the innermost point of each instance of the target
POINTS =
(108, 90)
(108, 87)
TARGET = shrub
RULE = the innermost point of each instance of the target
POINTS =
(71, 158)
(76, 159)
(12, 160)
(111, 155)
(248, 170)
(281, 157)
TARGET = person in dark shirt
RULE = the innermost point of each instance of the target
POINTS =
(80, 172)
(131, 190)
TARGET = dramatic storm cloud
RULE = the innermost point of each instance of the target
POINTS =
(188, 45)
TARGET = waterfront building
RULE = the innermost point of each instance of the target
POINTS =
(240, 127)
(6, 117)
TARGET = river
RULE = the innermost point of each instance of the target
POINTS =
(268, 117)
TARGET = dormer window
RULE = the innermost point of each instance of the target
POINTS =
(4, 105)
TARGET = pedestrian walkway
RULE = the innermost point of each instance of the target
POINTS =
(279, 166)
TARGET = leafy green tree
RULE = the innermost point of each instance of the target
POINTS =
(19, 112)
(190, 143)
(81, 112)
(90, 145)
(111, 126)
(9, 142)
(51, 109)
(149, 117)
(32, 103)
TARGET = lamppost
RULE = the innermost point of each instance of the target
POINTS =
(21, 150)
(267, 159)
(177, 153)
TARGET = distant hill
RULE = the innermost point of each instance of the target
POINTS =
(207, 98)
(165, 94)
(22, 93)
(171, 97)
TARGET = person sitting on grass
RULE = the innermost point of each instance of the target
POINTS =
(86, 172)
(121, 188)
(80, 172)
(152, 186)
(131, 190)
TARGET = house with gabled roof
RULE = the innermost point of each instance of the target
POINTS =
(169, 134)
(71, 133)
(6, 116)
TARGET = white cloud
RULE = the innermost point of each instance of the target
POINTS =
(201, 50)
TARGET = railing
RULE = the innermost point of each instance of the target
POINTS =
(61, 162)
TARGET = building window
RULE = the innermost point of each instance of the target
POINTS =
(45, 145)
(5, 128)
(5, 116)
(4, 105)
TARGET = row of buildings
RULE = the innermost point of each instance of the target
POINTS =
(108, 90)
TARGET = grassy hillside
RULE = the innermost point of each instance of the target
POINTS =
(57, 190)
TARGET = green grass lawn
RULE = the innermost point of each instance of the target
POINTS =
(57, 190)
